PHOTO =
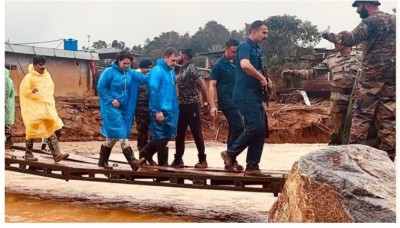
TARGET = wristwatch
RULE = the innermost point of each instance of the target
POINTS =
(206, 103)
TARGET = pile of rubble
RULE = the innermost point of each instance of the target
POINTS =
(288, 123)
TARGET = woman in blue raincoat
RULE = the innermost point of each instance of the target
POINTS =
(118, 90)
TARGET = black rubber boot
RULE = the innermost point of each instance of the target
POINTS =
(162, 156)
(147, 153)
(8, 134)
(52, 142)
(28, 153)
(133, 162)
(104, 156)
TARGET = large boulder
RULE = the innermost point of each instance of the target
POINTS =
(352, 183)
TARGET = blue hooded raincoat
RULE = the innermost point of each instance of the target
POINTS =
(163, 97)
(115, 83)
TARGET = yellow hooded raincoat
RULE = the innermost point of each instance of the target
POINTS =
(38, 109)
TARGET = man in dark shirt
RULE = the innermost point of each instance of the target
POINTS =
(142, 108)
(222, 81)
(188, 82)
(248, 95)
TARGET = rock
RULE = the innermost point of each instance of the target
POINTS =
(352, 183)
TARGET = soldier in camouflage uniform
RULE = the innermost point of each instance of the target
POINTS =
(341, 68)
(188, 82)
(142, 116)
(376, 92)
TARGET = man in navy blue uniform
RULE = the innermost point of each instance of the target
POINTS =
(248, 96)
(221, 84)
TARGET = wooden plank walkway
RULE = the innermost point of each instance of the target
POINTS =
(84, 168)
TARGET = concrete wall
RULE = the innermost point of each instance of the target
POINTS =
(72, 77)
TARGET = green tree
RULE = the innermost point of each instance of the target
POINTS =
(99, 44)
(289, 39)
(212, 34)
(119, 45)
(238, 35)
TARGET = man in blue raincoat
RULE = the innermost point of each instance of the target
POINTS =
(118, 90)
(163, 107)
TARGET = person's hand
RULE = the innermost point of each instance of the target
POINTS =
(265, 105)
(115, 103)
(263, 82)
(214, 113)
(287, 73)
(35, 90)
(160, 117)
(206, 109)
(270, 84)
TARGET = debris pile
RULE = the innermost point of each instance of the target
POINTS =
(288, 123)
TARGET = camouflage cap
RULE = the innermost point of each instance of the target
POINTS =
(372, 1)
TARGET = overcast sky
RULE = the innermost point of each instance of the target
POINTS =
(134, 21)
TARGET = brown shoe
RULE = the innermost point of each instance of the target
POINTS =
(201, 165)
(254, 172)
(227, 161)
(60, 157)
(29, 156)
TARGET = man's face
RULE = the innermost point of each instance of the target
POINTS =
(261, 34)
(230, 52)
(145, 70)
(180, 58)
(40, 67)
(362, 10)
(125, 63)
(339, 47)
(171, 61)
(135, 60)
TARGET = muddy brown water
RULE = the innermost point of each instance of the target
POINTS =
(30, 198)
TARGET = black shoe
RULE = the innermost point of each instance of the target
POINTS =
(133, 162)
(227, 161)
(104, 156)
(29, 156)
(178, 162)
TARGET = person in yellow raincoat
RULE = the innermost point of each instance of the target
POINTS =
(38, 109)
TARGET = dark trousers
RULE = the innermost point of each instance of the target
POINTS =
(235, 124)
(142, 118)
(253, 134)
(189, 115)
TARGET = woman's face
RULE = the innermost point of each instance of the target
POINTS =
(124, 63)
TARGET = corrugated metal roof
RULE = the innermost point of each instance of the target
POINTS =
(64, 54)
(112, 50)
(31, 50)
